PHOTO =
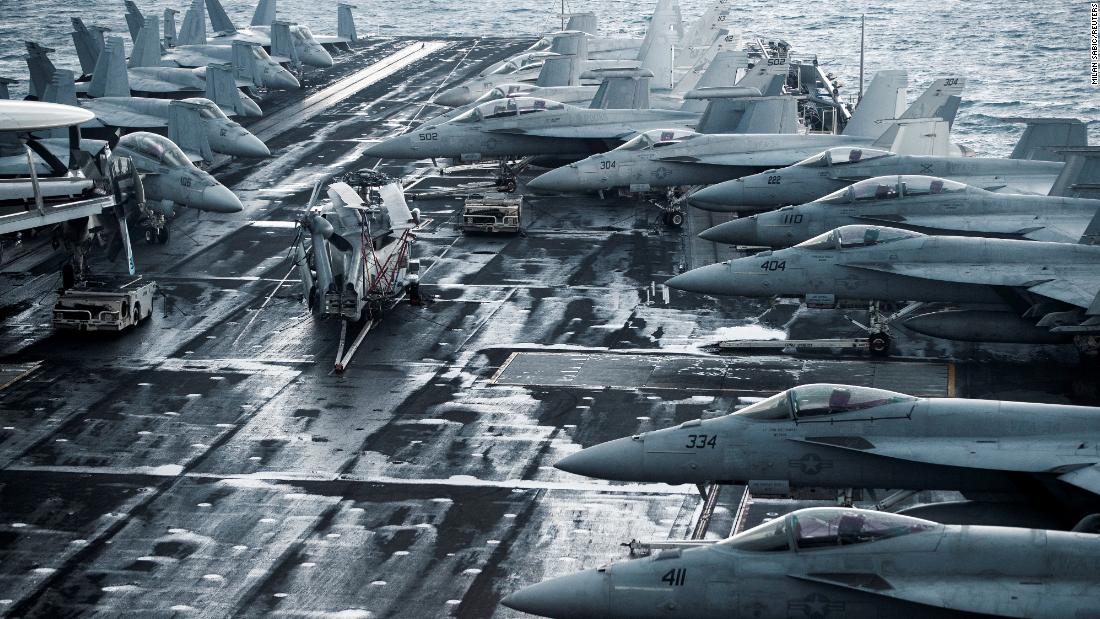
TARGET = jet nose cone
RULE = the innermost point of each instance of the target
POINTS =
(741, 231)
(249, 145)
(584, 594)
(561, 179)
(284, 80)
(392, 148)
(218, 199)
(249, 108)
(316, 56)
(454, 97)
(720, 198)
(703, 280)
(621, 460)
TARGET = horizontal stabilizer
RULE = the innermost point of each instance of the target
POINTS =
(883, 100)
(1087, 478)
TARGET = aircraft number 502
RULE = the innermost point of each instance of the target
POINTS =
(675, 577)
(428, 137)
(774, 265)
(701, 441)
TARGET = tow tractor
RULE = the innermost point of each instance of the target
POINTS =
(104, 306)
(492, 213)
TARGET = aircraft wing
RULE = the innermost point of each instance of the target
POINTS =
(986, 594)
(1026, 226)
(1073, 285)
(752, 159)
(145, 83)
(1028, 455)
(120, 115)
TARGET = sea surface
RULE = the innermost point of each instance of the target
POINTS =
(1019, 58)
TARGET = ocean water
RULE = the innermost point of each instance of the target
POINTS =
(1020, 58)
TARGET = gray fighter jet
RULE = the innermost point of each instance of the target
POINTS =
(1031, 168)
(146, 77)
(303, 47)
(841, 562)
(115, 108)
(1055, 286)
(1027, 463)
(193, 51)
(169, 177)
(704, 159)
(923, 203)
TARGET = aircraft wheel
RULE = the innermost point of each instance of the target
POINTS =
(150, 236)
(879, 344)
(509, 186)
(163, 236)
(137, 314)
(675, 219)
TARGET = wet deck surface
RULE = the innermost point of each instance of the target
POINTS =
(211, 463)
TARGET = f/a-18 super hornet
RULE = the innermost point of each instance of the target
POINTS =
(841, 562)
(1018, 463)
(1031, 168)
(202, 133)
(345, 29)
(302, 47)
(169, 178)
(525, 126)
(357, 259)
(700, 159)
(192, 50)
(1050, 289)
(217, 82)
(925, 204)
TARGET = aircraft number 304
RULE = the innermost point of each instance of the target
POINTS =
(428, 137)
(607, 165)
(701, 441)
(675, 577)
(774, 265)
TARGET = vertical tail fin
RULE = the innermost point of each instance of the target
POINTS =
(110, 78)
(1045, 139)
(665, 26)
(222, 89)
(564, 70)
(62, 88)
(244, 64)
(748, 114)
(193, 29)
(705, 30)
(40, 68)
(282, 44)
(219, 20)
(883, 100)
(763, 76)
(88, 44)
(134, 19)
(941, 100)
(185, 128)
(659, 60)
(1080, 178)
(583, 22)
(170, 27)
(345, 23)
(717, 68)
(558, 71)
(623, 90)
(927, 137)
(265, 13)
(146, 52)
(4, 83)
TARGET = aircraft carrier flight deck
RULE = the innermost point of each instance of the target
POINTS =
(235, 456)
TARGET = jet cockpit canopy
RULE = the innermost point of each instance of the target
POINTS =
(847, 237)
